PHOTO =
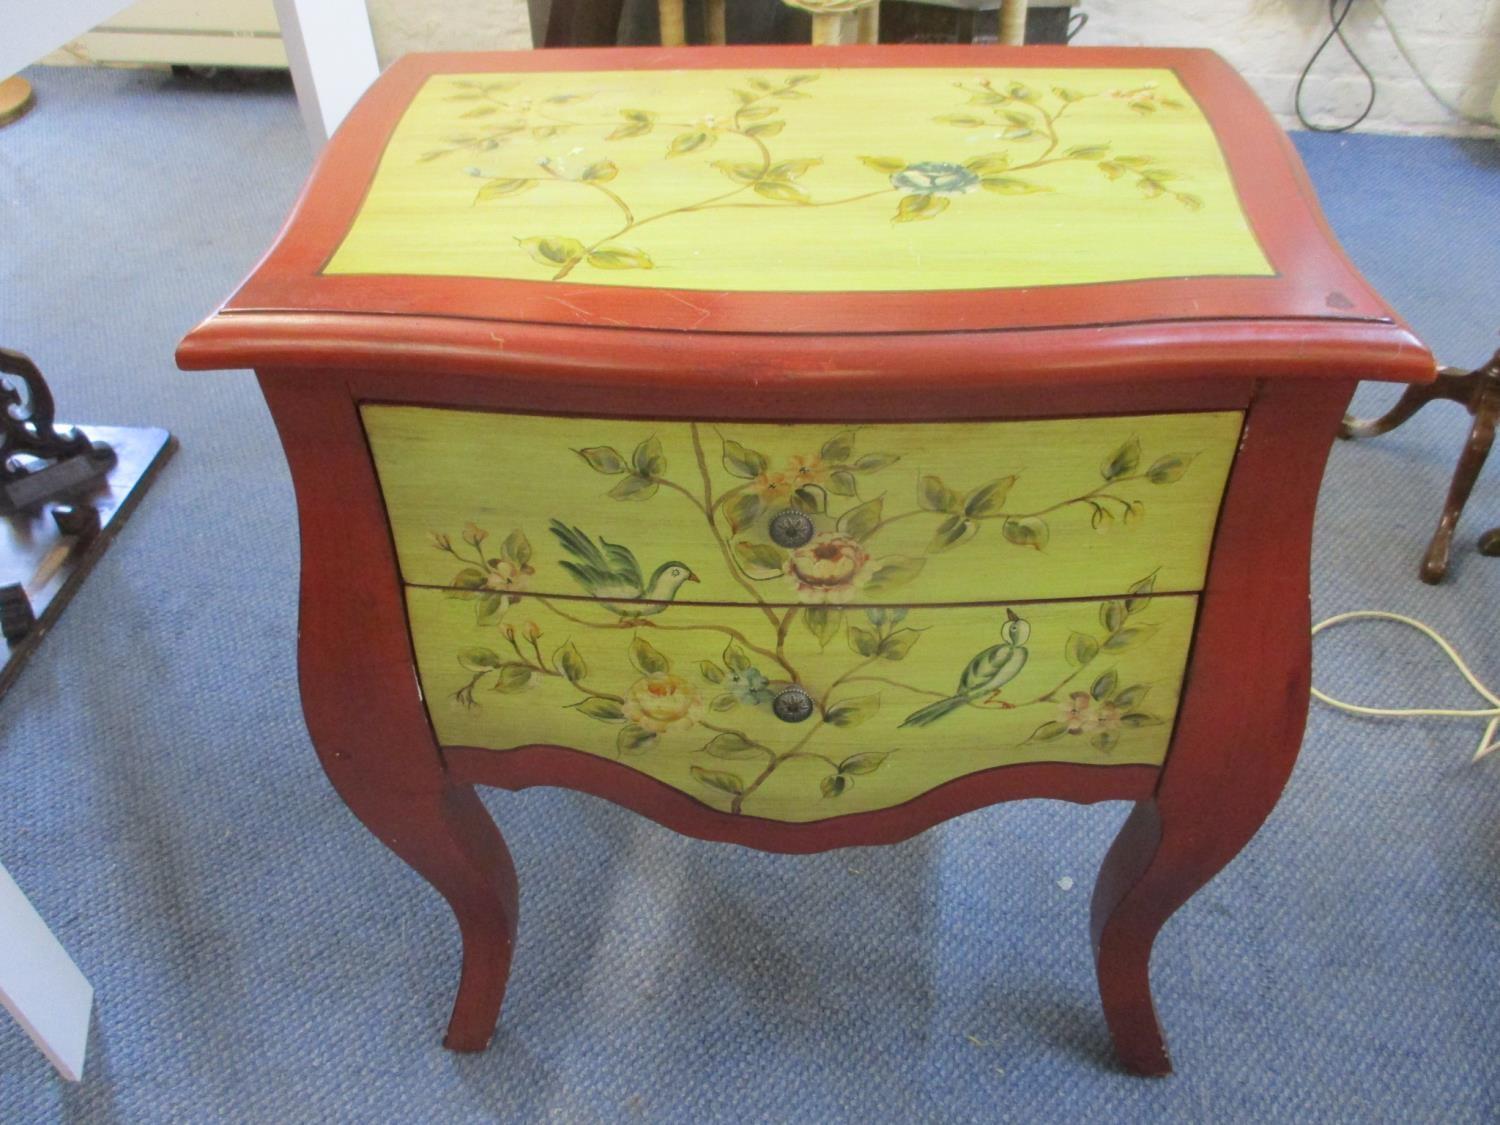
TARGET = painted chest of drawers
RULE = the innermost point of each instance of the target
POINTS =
(803, 446)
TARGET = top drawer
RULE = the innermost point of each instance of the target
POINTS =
(817, 513)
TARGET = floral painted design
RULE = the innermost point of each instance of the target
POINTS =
(753, 119)
(818, 586)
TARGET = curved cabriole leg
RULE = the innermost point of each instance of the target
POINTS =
(360, 695)
(1241, 722)
(1447, 385)
(1470, 462)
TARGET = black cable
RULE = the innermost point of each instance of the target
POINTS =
(1336, 19)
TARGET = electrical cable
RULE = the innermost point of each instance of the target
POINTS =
(1336, 20)
(1487, 742)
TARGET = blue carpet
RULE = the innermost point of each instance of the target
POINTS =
(259, 957)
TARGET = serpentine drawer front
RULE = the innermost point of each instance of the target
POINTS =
(803, 446)
(896, 514)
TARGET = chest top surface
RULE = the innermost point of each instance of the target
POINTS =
(815, 191)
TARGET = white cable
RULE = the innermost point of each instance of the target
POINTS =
(1487, 741)
(1406, 54)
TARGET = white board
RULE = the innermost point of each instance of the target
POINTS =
(39, 984)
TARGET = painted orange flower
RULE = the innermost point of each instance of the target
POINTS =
(828, 568)
(806, 470)
(773, 486)
(662, 702)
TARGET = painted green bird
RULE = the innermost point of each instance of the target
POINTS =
(610, 573)
(985, 675)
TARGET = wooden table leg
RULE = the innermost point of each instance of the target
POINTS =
(1470, 462)
(869, 23)
(374, 742)
(673, 23)
(1240, 728)
(718, 28)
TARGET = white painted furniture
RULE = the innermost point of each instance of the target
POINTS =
(39, 984)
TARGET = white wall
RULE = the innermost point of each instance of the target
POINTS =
(401, 26)
(1456, 41)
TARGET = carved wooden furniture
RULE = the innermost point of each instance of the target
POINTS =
(1479, 392)
(802, 446)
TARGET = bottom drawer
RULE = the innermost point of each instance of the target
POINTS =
(901, 701)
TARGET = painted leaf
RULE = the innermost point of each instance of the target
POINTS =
(605, 710)
(1028, 531)
(862, 641)
(742, 510)
(833, 785)
(739, 173)
(1140, 594)
(988, 499)
(721, 780)
(1023, 92)
(765, 129)
(811, 498)
(919, 207)
(632, 739)
(1188, 200)
(1127, 699)
(837, 449)
(822, 622)
(564, 99)
(1087, 152)
(1112, 168)
(620, 258)
(1105, 741)
(867, 762)
(1067, 95)
(1127, 637)
(648, 459)
(552, 251)
(801, 79)
(1140, 719)
(517, 548)
(638, 123)
(499, 189)
(1080, 649)
(466, 581)
(1122, 461)
(1010, 185)
(1016, 117)
(634, 487)
(988, 164)
(841, 482)
(742, 462)
(711, 671)
(852, 712)
(600, 172)
(479, 659)
(481, 111)
(760, 560)
(514, 678)
(963, 120)
(647, 659)
(1169, 469)
(1048, 731)
(1017, 132)
(726, 701)
(874, 462)
(1105, 684)
(1112, 615)
(757, 112)
(487, 607)
(685, 143)
(734, 658)
(781, 191)
(732, 746)
(898, 644)
(859, 522)
(935, 496)
(791, 169)
(950, 533)
(893, 571)
(890, 165)
(569, 661)
(603, 459)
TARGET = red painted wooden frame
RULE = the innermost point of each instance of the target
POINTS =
(1314, 281)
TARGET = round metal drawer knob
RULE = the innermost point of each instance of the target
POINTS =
(792, 705)
(791, 528)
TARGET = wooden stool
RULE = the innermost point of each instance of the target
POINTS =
(1479, 391)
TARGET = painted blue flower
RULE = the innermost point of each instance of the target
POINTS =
(749, 686)
(936, 177)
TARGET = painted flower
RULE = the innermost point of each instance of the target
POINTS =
(802, 470)
(1075, 712)
(935, 177)
(773, 486)
(505, 577)
(749, 686)
(828, 568)
(662, 702)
